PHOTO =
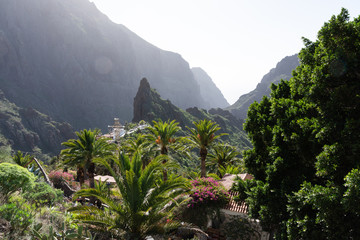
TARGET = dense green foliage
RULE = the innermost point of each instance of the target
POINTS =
(202, 137)
(82, 151)
(306, 142)
(43, 194)
(19, 219)
(222, 157)
(14, 178)
(144, 200)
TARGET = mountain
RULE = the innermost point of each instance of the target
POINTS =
(68, 60)
(149, 106)
(283, 70)
(208, 90)
(28, 130)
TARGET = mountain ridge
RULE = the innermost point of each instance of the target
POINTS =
(30, 131)
(282, 70)
(149, 106)
(69, 61)
(208, 90)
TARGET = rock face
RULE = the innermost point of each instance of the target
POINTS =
(69, 61)
(29, 130)
(283, 70)
(149, 106)
(209, 91)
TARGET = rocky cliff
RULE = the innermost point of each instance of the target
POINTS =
(28, 130)
(149, 106)
(69, 61)
(209, 91)
(283, 70)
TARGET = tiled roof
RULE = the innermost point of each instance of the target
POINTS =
(234, 206)
(227, 181)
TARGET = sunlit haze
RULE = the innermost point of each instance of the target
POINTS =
(235, 41)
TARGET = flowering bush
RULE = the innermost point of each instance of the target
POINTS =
(207, 192)
(57, 177)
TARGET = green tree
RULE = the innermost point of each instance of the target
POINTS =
(305, 144)
(141, 144)
(145, 198)
(22, 160)
(81, 153)
(329, 78)
(14, 178)
(202, 137)
(222, 156)
(163, 133)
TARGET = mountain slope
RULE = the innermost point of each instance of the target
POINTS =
(209, 91)
(68, 60)
(283, 70)
(149, 106)
(29, 130)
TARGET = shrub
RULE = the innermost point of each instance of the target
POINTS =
(43, 194)
(207, 192)
(19, 219)
(207, 197)
(14, 178)
(57, 177)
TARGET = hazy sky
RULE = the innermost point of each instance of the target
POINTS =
(235, 41)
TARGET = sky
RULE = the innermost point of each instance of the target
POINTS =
(235, 41)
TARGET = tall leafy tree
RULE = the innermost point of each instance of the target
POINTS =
(329, 78)
(81, 153)
(306, 144)
(145, 198)
(163, 133)
(202, 137)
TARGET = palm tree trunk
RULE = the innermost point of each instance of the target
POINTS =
(164, 152)
(80, 176)
(91, 173)
(164, 172)
(203, 154)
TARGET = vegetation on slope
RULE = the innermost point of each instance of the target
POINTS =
(30, 131)
(149, 106)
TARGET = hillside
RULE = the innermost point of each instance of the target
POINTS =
(29, 131)
(283, 70)
(149, 106)
(68, 60)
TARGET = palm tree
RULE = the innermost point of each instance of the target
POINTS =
(164, 134)
(27, 160)
(22, 160)
(202, 137)
(82, 151)
(221, 156)
(140, 143)
(145, 198)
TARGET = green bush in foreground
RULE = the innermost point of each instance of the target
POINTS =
(43, 194)
(19, 219)
(14, 178)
